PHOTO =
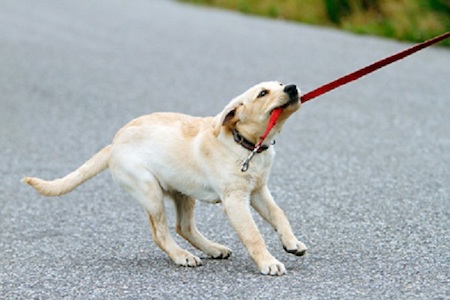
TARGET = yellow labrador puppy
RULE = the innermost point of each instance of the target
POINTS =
(188, 158)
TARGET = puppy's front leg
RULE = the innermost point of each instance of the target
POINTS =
(237, 208)
(262, 201)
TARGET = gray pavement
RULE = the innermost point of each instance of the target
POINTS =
(363, 172)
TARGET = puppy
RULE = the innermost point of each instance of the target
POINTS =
(188, 158)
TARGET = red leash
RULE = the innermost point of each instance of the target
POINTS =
(341, 81)
(272, 121)
(370, 68)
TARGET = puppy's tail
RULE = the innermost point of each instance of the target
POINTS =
(61, 186)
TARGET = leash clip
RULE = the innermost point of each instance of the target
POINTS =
(246, 162)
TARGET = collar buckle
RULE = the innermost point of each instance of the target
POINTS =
(258, 148)
(246, 162)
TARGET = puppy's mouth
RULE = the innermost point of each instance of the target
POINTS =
(291, 102)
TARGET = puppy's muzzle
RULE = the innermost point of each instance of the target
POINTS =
(292, 91)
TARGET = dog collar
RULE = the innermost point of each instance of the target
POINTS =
(238, 138)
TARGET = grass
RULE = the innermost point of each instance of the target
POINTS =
(407, 20)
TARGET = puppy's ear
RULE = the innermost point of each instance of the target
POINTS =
(228, 117)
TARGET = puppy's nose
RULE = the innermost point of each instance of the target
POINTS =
(291, 90)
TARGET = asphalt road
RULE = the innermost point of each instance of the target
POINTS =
(363, 172)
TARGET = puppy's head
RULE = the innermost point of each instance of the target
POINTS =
(249, 113)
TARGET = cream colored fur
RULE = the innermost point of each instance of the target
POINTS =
(188, 158)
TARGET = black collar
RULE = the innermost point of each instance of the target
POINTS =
(238, 138)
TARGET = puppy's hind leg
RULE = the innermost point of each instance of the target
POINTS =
(146, 189)
(187, 229)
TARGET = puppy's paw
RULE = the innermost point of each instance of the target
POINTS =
(220, 252)
(272, 267)
(296, 248)
(187, 260)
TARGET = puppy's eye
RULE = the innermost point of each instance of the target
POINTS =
(263, 93)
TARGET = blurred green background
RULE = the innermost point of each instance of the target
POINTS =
(407, 20)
